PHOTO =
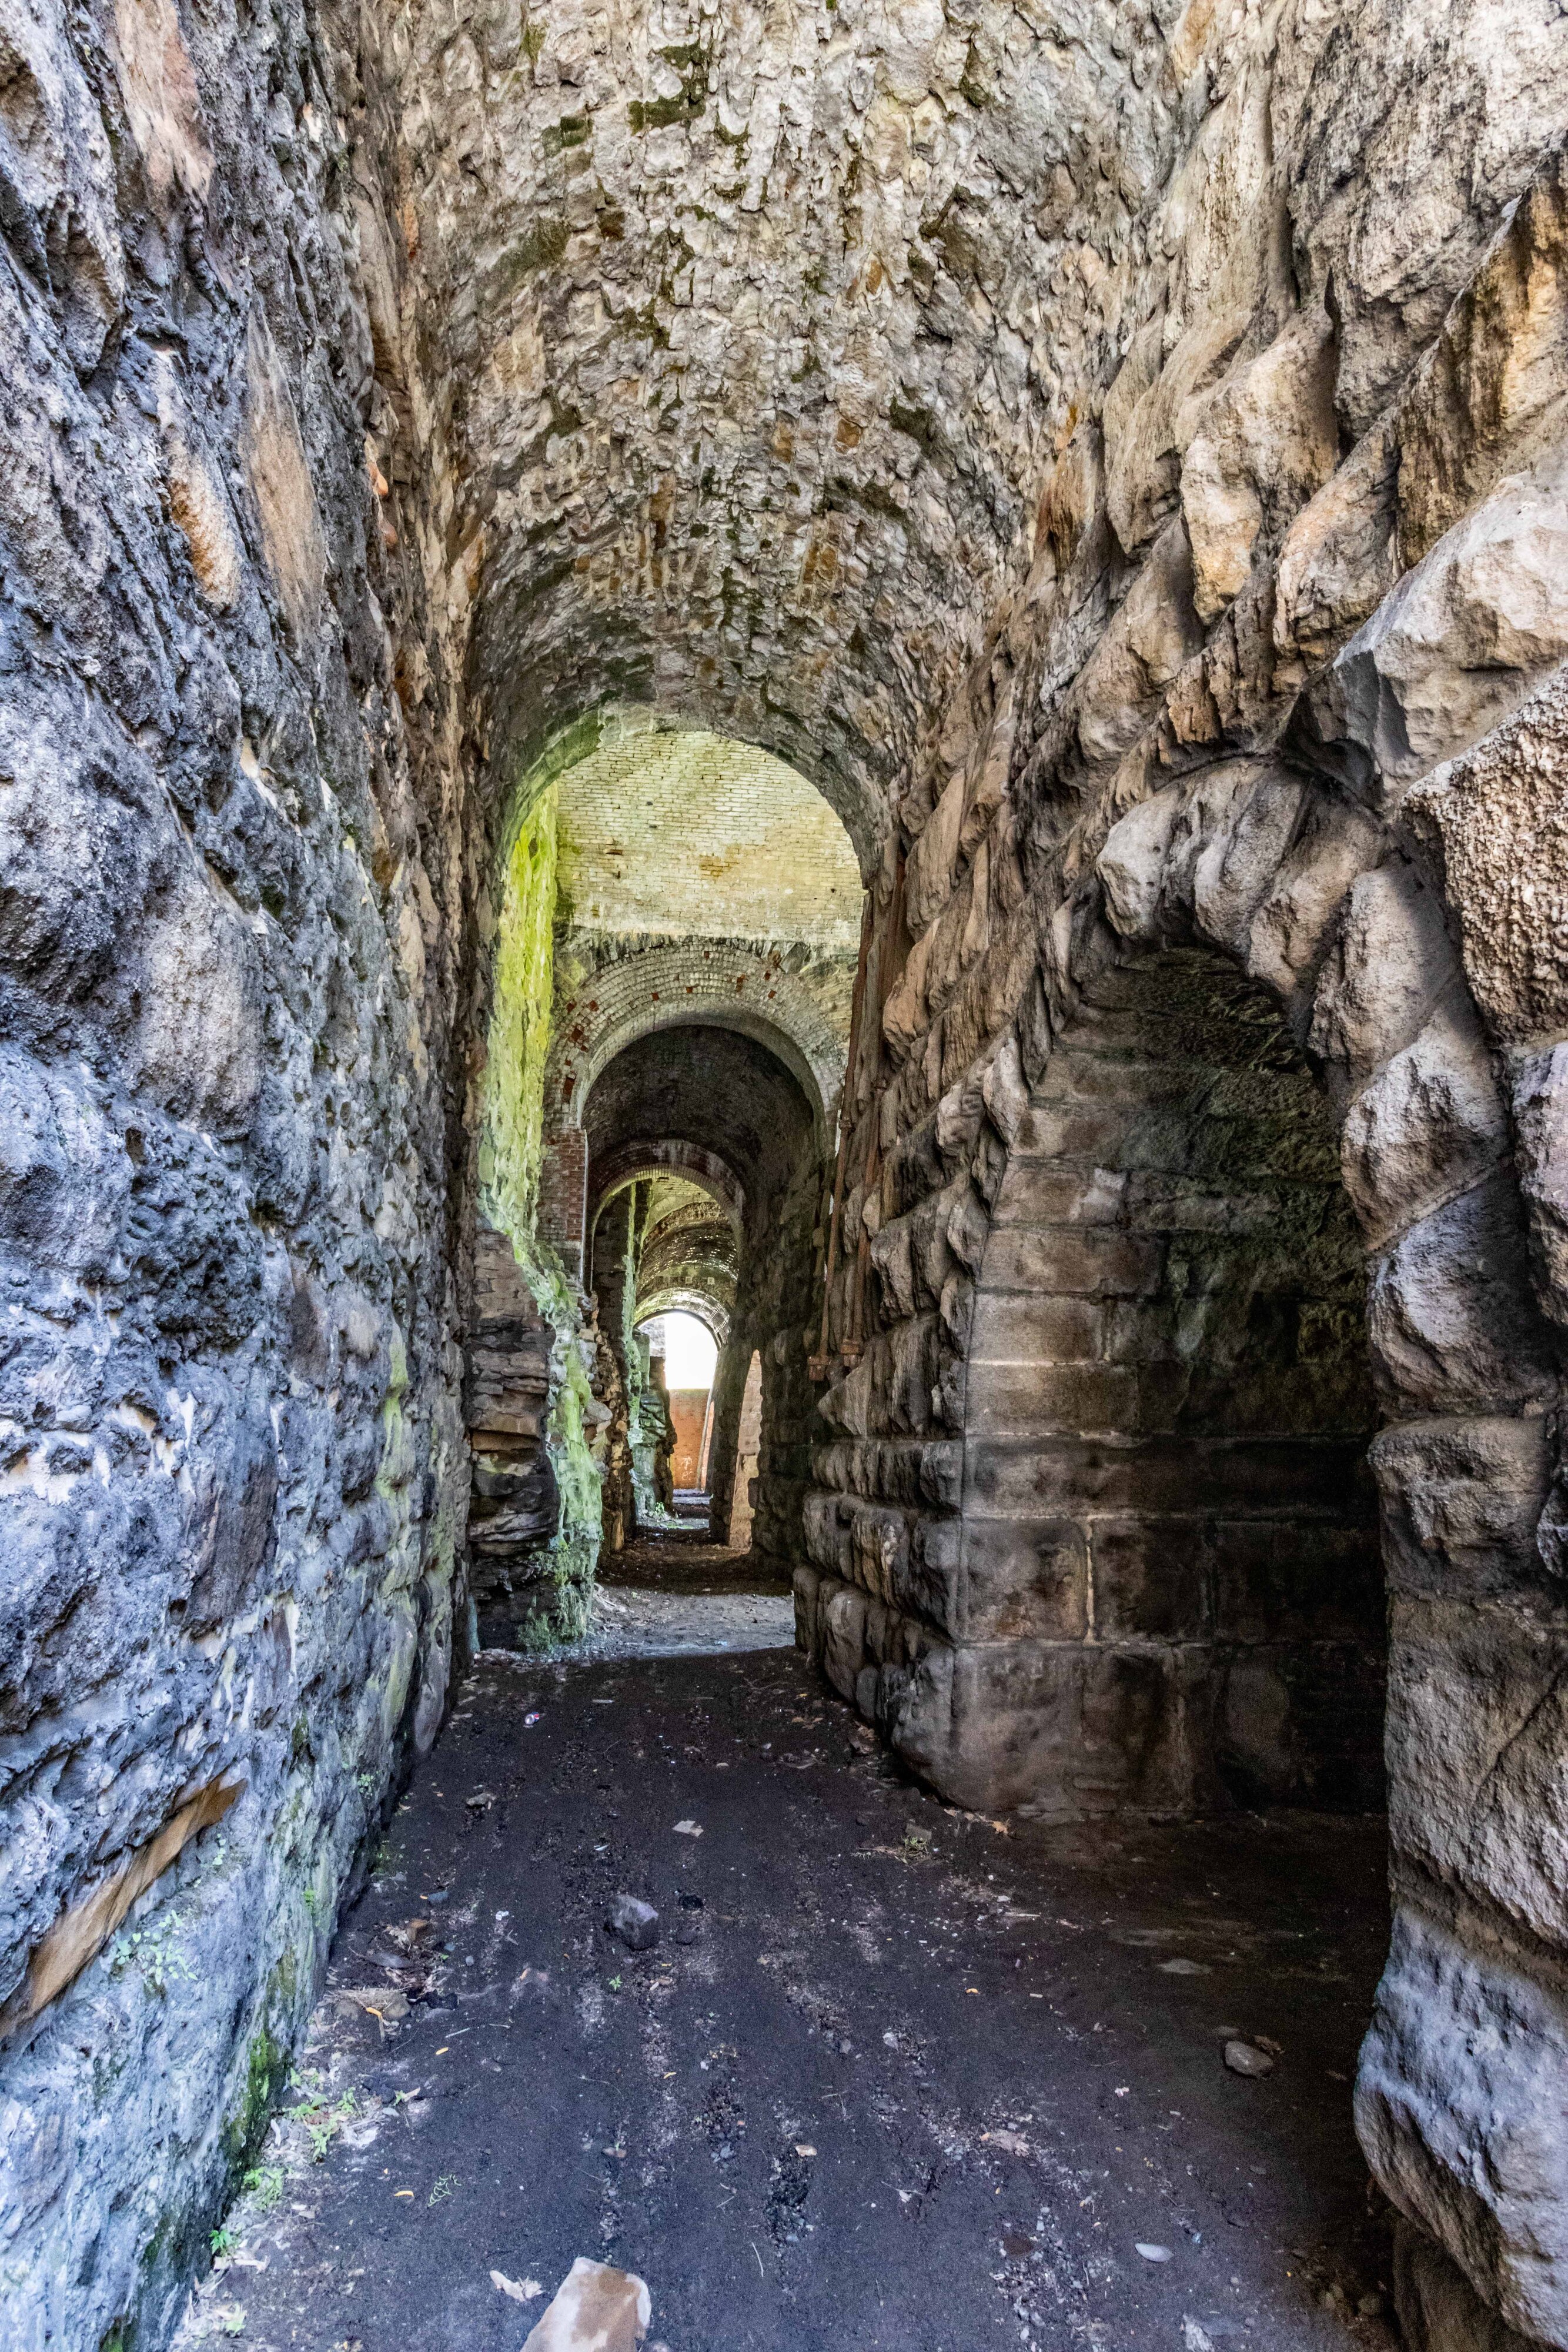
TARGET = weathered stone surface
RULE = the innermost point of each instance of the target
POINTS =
(1498, 825)
(1476, 1719)
(1541, 1132)
(1458, 643)
(1391, 960)
(1459, 2104)
(1462, 1499)
(1120, 470)
(1451, 1316)
(1426, 1127)
(1438, 2309)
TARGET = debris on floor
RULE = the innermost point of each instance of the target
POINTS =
(594, 2309)
(520, 2290)
(1242, 2058)
(636, 1922)
(839, 2102)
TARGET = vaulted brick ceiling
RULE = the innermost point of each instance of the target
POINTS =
(684, 834)
(689, 1251)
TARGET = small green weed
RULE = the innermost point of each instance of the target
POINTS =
(152, 1951)
(265, 2183)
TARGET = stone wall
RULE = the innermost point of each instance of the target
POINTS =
(1283, 684)
(236, 882)
(514, 1511)
(1117, 454)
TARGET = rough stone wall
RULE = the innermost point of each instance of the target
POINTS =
(514, 1510)
(1282, 683)
(1116, 453)
(234, 881)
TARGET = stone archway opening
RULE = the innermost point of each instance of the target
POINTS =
(1172, 1595)
(483, 499)
(673, 966)
(740, 1255)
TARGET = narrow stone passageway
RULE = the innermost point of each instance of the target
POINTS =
(784, 1176)
(889, 2076)
(671, 1593)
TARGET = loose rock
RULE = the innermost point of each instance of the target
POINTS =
(636, 1922)
(1244, 2058)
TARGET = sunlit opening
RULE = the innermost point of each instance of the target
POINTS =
(690, 1353)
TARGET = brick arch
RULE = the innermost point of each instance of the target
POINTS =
(644, 1156)
(671, 1298)
(722, 983)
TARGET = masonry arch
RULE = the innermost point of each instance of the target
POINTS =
(723, 984)
(1167, 1550)
(645, 1160)
(1325, 905)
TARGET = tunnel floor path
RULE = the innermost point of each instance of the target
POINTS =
(891, 2076)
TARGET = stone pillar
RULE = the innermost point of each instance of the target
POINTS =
(515, 1507)
(748, 1447)
(729, 1386)
(614, 1285)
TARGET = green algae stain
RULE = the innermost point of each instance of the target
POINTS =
(247, 2127)
(512, 1145)
(511, 1153)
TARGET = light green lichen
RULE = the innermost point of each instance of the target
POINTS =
(511, 1154)
(511, 1146)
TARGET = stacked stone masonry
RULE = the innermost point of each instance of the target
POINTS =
(1117, 454)
(1160, 1589)
(513, 1508)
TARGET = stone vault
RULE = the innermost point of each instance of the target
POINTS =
(1116, 454)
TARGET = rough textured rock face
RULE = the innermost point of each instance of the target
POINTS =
(234, 874)
(514, 1509)
(1282, 685)
(1117, 454)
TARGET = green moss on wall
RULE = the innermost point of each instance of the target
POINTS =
(510, 1155)
(511, 1147)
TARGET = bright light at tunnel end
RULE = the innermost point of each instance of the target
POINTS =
(690, 1352)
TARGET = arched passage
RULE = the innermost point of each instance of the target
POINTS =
(699, 1096)
(1167, 1580)
(1035, 429)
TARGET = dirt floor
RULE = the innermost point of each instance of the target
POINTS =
(891, 2075)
